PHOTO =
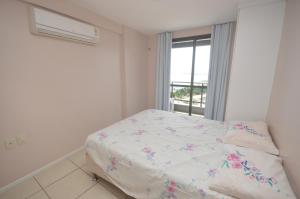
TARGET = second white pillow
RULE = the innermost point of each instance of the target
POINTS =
(250, 134)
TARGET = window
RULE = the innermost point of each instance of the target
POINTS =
(189, 74)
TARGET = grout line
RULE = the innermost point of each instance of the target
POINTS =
(35, 172)
(87, 173)
(78, 168)
(42, 187)
(33, 193)
(73, 162)
(81, 168)
(100, 182)
(85, 191)
(61, 178)
(111, 188)
(97, 182)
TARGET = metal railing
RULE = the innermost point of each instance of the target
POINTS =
(181, 92)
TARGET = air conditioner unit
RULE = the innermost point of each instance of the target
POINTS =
(52, 24)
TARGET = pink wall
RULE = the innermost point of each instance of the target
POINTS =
(57, 92)
(135, 63)
(192, 32)
(284, 109)
(152, 45)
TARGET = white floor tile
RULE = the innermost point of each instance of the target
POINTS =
(98, 192)
(70, 186)
(22, 190)
(79, 158)
(112, 189)
(65, 181)
(55, 172)
(39, 195)
(86, 170)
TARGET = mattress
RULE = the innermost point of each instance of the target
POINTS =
(158, 154)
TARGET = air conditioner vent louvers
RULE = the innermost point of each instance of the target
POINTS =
(48, 23)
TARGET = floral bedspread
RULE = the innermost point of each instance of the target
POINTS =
(157, 155)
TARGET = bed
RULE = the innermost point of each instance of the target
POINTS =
(158, 154)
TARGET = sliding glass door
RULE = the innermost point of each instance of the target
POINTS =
(189, 74)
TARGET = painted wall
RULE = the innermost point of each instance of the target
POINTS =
(192, 32)
(135, 55)
(151, 69)
(284, 109)
(57, 92)
(255, 53)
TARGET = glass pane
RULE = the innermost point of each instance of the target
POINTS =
(202, 58)
(202, 64)
(181, 98)
(199, 97)
(181, 73)
(181, 65)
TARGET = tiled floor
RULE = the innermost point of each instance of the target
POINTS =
(68, 179)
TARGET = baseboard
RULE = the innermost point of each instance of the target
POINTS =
(22, 179)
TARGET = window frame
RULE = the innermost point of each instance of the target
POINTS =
(193, 40)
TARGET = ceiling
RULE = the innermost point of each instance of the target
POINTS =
(154, 16)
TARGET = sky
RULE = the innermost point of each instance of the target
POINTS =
(181, 64)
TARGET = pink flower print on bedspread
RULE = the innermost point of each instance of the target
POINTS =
(102, 135)
(113, 164)
(149, 153)
(243, 126)
(233, 157)
(235, 161)
(200, 190)
(189, 147)
(170, 189)
(212, 172)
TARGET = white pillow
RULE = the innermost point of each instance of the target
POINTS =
(250, 134)
(250, 174)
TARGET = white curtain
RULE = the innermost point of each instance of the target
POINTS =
(163, 63)
(220, 60)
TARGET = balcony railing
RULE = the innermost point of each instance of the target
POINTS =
(185, 95)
